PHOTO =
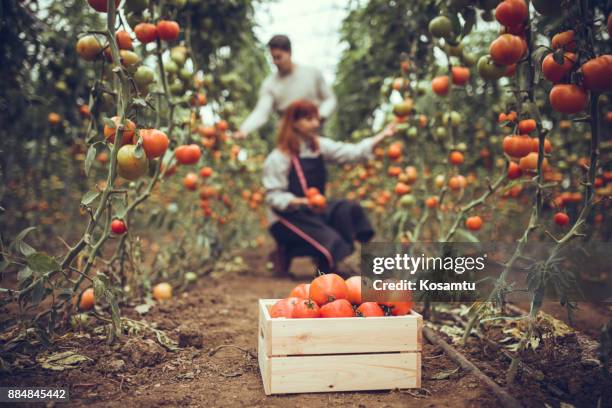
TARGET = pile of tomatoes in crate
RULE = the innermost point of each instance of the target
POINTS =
(330, 295)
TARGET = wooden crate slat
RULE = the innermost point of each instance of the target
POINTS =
(327, 355)
(264, 363)
(339, 336)
(353, 372)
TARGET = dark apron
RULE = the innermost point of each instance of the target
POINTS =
(329, 235)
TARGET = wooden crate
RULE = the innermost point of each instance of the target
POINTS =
(338, 354)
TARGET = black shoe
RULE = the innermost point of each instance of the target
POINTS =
(280, 262)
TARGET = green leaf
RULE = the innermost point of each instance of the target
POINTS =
(143, 309)
(443, 375)
(465, 236)
(62, 361)
(166, 341)
(120, 209)
(558, 57)
(25, 249)
(139, 151)
(24, 274)
(41, 262)
(99, 285)
(89, 197)
(89, 159)
(20, 237)
(38, 292)
(115, 312)
(109, 123)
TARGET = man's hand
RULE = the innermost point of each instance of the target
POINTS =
(239, 135)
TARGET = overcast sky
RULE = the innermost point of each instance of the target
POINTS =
(312, 25)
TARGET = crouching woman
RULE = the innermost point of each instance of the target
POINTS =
(292, 172)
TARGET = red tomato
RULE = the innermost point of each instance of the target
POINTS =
(301, 291)
(306, 308)
(317, 200)
(514, 171)
(118, 227)
(473, 223)
(353, 285)
(564, 40)
(188, 154)
(88, 299)
(530, 162)
(395, 151)
(206, 172)
(124, 41)
(338, 308)
(190, 181)
(312, 191)
(511, 12)
(402, 189)
(146, 32)
(561, 218)
(507, 49)
(461, 75)
(431, 202)
(168, 30)
(535, 145)
(128, 131)
(398, 308)
(370, 309)
(154, 142)
(555, 72)
(327, 288)
(222, 125)
(284, 308)
(517, 145)
(597, 74)
(527, 126)
(456, 158)
(568, 98)
(440, 85)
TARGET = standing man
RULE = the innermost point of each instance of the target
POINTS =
(291, 82)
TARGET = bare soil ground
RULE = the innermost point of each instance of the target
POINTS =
(136, 371)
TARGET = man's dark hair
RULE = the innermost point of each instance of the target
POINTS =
(280, 42)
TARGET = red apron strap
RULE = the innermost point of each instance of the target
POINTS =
(300, 173)
(296, 230)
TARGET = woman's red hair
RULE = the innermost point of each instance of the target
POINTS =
(288, 138)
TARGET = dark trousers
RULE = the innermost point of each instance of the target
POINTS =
(328, 237)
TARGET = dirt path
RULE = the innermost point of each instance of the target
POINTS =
(139, 373)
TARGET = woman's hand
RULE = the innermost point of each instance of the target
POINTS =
(389, 130)
(299, 202)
